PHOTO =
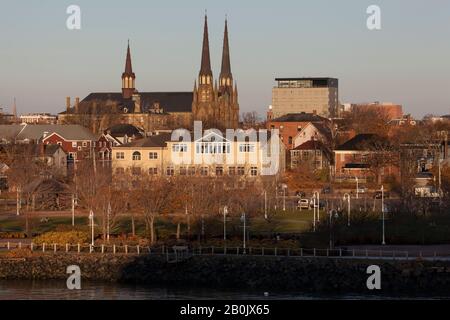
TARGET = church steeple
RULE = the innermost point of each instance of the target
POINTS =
(128, 77)
(205, 76)
(226, 77)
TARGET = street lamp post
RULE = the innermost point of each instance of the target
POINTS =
(108, 223)
(73, 210)
(225, 212)
(314, 213)
(284, 187)
(347, 197)
(18, 202)
(316, 195)
(383, 242)
(265, 205)
(243, 218)
(91, 217)
(357, 188)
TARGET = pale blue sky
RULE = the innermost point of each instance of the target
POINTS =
(407, 62)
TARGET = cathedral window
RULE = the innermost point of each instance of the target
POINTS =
(136, 156)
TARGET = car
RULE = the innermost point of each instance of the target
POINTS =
(322, 204)
(362, 189)
(303, 204)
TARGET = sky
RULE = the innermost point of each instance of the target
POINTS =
(406, 62)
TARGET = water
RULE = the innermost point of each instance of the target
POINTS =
(57, 290)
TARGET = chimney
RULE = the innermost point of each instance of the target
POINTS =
(77, 104)
(68, 104)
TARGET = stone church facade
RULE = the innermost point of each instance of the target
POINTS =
(215, 105)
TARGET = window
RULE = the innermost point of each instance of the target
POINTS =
(59, 143)
(212, 147)
(179, 147)
(183, 171)
(153, 155)
(253, 171)
(120, 170)
(74, 144)
(318, 153)
(219, 171)
(79, 148)
(240, 171)
(290, 140)
(246, 147)
(84, 144)
(136, 156)
(120, 155)
(72, 155)
(153, 171)
(170, 171)
(136, 171)
(191, 171)
(204, 171)
(231, 171)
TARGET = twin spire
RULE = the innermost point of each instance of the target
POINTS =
(226, 77)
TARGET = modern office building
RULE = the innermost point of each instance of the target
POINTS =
(309, 95)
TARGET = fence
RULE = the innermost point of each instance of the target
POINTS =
(225, 251)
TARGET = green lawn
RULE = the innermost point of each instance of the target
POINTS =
(280, 222)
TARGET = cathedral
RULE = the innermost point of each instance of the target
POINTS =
(215, 104)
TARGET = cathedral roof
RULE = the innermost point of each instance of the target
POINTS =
(113, 102)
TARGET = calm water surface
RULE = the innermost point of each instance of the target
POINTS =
(57, 290)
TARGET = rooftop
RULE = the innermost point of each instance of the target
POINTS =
(299, 117)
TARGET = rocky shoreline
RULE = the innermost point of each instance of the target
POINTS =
(317, 275)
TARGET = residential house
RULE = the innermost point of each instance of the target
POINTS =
(114, 136)
(311, 154)
(291, 124)
(210, 155)
(366, 156)
(313, 131)
(53, 156)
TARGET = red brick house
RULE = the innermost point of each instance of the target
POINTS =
(366, 156)
(291, 124)
(78, 142)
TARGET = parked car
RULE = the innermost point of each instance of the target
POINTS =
(322, 204)
(362, 189)
(303, 204)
